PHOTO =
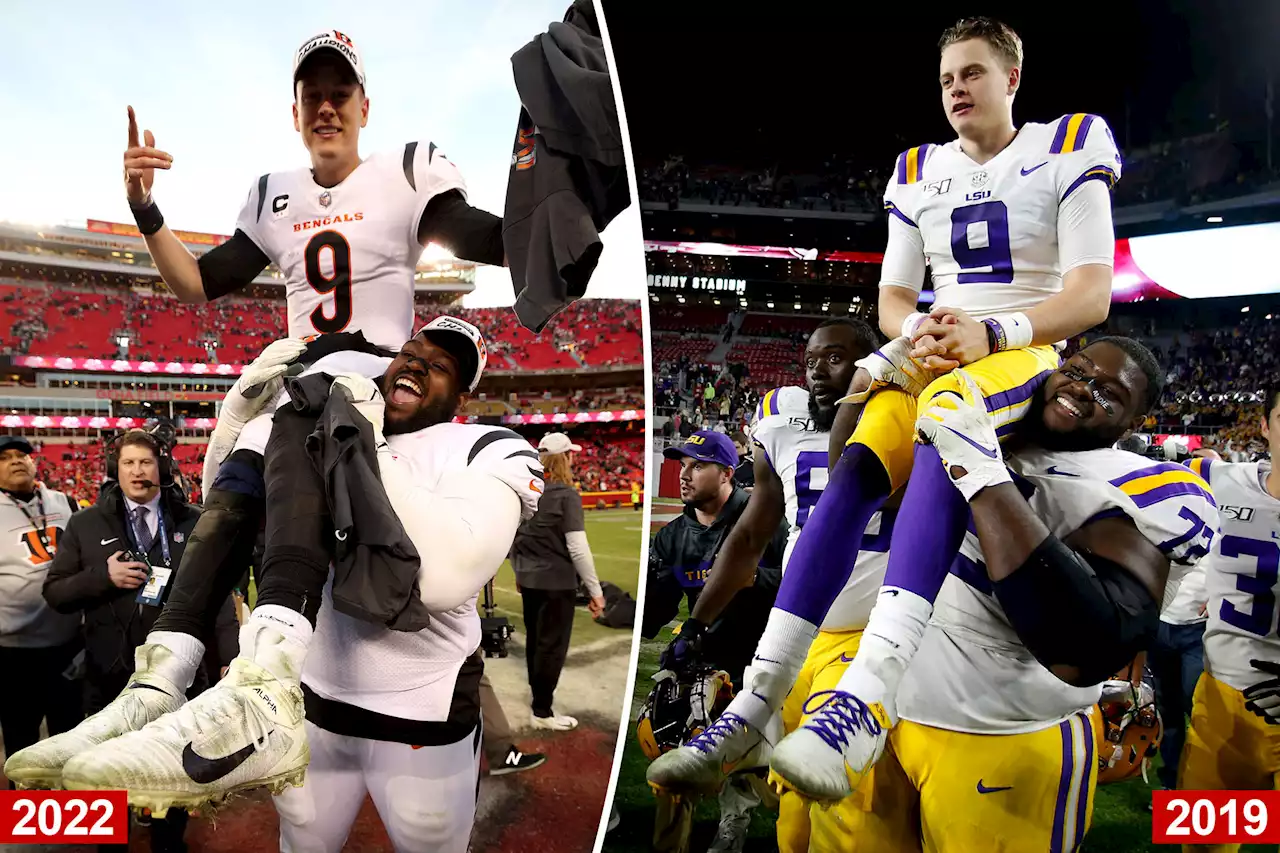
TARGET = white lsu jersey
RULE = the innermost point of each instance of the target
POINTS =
(412, 675)
(797, 452)
(348, 253)
(1243, 573)
(972, 672)
(995, 225)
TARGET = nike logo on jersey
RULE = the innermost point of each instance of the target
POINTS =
(1026, 172)
(990, 454)
(108, 541)
(983, 789)
(206, 771)
(844, 658)
(1053, 469)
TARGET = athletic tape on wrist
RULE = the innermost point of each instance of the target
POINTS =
(1010, 331)
(909, 324)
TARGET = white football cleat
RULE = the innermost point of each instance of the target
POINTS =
(245, 732)
(705, 761)
(147, 697)
(825, 759)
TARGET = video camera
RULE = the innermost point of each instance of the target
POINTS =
(495, 631)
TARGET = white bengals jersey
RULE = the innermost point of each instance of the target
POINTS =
(990, 231)
(1243, 572)
(972, 673)
(29, 535)
(348, 253)
(797, 452)
(412, 675)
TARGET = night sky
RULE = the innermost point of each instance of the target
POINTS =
(731, 84)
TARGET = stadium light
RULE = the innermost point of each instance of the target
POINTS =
(768, 305)
(1244, 310)
(1214, 219)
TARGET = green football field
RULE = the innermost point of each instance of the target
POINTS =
(1121, 823)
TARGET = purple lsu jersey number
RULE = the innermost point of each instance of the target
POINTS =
(1260, 585)
(807, 461)
(996, 254)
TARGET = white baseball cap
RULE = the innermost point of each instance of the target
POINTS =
(557, 442)
(471, 353)
(339, 43)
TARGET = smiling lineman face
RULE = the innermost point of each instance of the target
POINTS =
(422, 387)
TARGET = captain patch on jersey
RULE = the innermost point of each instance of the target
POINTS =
(346, 250)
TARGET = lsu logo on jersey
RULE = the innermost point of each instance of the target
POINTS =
(41, 545)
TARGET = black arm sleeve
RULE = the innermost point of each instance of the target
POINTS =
(231, 266)
(1079, 611)
(469, 232)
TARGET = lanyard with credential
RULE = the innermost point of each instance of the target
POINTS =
(164, 540)
(35, 522)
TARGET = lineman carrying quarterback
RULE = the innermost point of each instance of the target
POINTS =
(1058, 585)
(1015, 225)
(394, 714)
(347, 233)
(1230, 745)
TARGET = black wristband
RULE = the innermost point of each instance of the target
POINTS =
(149, 218)
(691, 629)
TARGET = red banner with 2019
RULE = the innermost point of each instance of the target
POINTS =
(1215, 817)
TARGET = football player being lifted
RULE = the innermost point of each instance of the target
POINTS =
(1015, 225)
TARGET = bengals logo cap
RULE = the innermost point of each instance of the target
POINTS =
(334, 41)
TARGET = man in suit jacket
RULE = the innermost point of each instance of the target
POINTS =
(116, 563)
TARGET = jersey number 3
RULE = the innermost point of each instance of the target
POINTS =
(338, 282)
(995, 254)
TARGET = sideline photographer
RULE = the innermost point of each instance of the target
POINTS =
(116, 563)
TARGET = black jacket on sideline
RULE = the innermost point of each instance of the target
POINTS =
(114, 622)
(680, 560)
(568, 176)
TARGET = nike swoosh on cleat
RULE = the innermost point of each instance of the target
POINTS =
(990, 454)
(727, 767)
(983, 789)
(206, 771)
(141, 686)
(1053, 470)
(1026, 172)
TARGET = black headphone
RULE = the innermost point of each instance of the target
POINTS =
(162, 434)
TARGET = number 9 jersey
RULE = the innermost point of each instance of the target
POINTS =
(348, 252)
(998, 237)
(1243, 572)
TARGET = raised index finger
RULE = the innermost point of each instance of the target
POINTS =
(133, 129)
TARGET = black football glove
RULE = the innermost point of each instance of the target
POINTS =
(683, 652)
(1264, 697)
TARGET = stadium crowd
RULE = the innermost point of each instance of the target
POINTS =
(1195, 169)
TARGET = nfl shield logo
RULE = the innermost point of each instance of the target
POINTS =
(325, 198)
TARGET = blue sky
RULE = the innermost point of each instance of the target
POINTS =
(213, 83)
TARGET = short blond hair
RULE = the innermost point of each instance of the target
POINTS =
(1003, 40)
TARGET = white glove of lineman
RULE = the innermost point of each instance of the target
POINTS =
(257, 386)
(964, 435)
(892, 364)
(366, 398)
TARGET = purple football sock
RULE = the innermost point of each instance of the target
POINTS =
(828, 545)
(929, 529)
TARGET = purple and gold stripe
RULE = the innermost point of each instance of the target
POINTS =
(1150, 471)
(893, 209)
(1202, 466)
(1015, 396)
(769, 405)
(1070, 811)
(910, 168)
(1171, 490)
(1106, 174)
(1072, 131)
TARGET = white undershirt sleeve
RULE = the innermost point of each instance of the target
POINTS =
(583, 562)
(904, 261)
(1086, 234)
(462, 529)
